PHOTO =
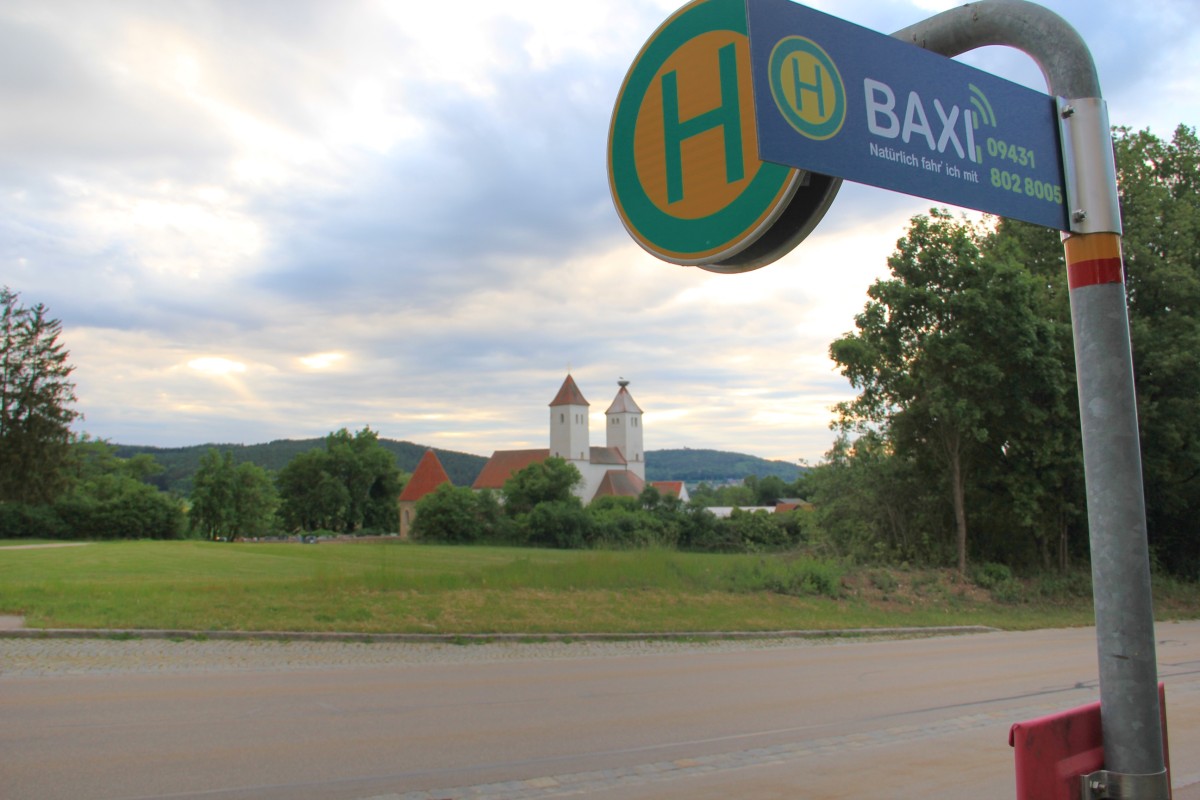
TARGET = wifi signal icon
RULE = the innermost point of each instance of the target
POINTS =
(983, 111)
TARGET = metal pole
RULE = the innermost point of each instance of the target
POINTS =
(1130, 714)
(1116, 511)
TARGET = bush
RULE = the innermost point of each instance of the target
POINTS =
(1064, 585)
(449, 514)
(991, 575)
(129, 510)
(24, 521)
(559, 523)
(795, 577)
(1010, 592)
(884, 581)
(757, 530)
(623, 523)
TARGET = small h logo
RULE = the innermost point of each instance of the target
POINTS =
(807, 88)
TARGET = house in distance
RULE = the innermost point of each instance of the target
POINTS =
(428, 475)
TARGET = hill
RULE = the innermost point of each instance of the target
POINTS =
(180, 463)
(693, 466)
(713, 466)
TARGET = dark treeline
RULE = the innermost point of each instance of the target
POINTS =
(179, 464)
(963, 443)
(348, 486)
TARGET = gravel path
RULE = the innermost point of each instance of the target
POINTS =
(26, 657)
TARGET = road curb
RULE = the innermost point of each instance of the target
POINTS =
(480, 638)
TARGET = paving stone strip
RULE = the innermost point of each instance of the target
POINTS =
(33, 652)
(33, 656)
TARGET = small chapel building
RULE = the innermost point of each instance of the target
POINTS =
(618, 468)
(428, 475)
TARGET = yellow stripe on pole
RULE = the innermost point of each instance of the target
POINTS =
(1093, 259)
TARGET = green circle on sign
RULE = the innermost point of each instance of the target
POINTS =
(710, 238)
(807, 88)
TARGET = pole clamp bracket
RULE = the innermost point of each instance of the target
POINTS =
(1106, 785)
(1089, 165)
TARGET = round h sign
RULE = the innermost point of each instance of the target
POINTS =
(683, 161)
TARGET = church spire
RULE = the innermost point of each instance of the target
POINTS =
(569, 423)
(569, 394)
(624, 429)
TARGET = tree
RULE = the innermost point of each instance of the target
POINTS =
(1160, 206)
(108, 497)
(741, 494)
(770, 490)
(546, 481)
(1038, 475)
(458, 515)
(35, 398)
(447, 514)
(255, 501)
(211, 514)
(311, 497)
(872, 505)
(230, 500)
(1159, 183)
(350, 485)
(372, 479)
(950, 357)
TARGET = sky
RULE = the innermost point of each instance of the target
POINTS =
(271, 219)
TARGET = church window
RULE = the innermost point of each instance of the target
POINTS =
(562, 417)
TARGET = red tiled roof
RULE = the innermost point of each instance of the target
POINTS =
(569, 395)
(503, 463)
(669, 488)
(620, 483)
(428, 475)
(623, 403)
(606, 455)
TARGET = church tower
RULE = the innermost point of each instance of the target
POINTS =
(569, 423)
(624, 424)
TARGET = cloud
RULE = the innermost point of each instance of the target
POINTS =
(397, 214)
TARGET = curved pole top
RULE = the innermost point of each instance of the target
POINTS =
(1047, 38)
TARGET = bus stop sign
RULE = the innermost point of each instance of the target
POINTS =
(683, 163)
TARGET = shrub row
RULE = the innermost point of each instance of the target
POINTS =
(460, 516)
(136, 514)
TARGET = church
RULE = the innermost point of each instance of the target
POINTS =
(618, 468)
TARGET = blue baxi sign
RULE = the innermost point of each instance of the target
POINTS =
(832, 97)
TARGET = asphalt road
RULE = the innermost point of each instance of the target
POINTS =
(929, 718)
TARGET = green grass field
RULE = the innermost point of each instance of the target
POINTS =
(403, 588)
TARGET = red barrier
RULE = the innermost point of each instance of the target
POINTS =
(1052, 752)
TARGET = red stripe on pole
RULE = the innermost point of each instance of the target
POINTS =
(1094, 271)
